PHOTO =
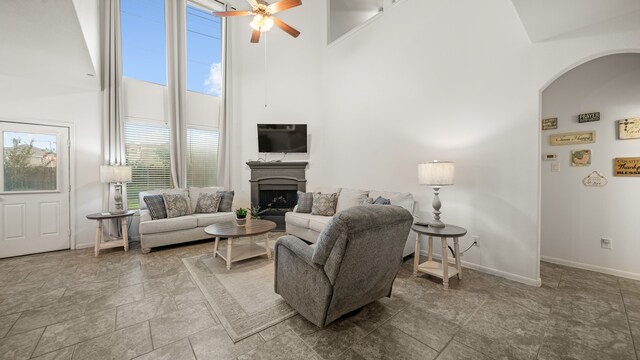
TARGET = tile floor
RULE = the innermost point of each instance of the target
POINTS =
(71, 305)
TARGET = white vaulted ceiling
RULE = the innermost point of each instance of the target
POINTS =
(41, 41)
(557, 19)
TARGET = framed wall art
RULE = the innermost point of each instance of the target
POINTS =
(581, 137)
(580, 157)
(595, 179)
(550, 123)
(629, 129)
(626, 166)
(589, 117)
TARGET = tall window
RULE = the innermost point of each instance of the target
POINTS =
(147, 151)
(144, 46)
(204, 48)
(202, 157)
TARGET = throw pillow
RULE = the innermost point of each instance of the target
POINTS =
(226, 202)
(305, 202)
(208, 203)
(367, 201)
(155, 204)
(176, 204)
(324, 204)
(382, 201)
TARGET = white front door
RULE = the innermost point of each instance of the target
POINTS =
(34, 189)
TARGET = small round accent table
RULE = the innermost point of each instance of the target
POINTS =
(236, 252)
(111, 242)
(435, 268)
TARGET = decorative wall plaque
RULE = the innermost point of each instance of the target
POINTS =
(629, 129)
(589, 117)
(595, 179)
(582, 137)
(627, 166)
(549, 123)
(580, 157)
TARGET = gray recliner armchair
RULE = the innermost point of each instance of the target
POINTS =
(354, 262)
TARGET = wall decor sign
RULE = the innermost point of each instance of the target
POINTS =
(549, 123)
(595, 179)
(627, 166)
(582, 137)
(589, 117)
(580, 157)
(629, 129)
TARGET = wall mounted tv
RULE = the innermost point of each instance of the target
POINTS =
(282, 138)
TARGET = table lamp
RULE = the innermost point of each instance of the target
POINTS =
(116, 174)
(436, 174)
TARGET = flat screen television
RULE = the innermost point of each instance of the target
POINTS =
(282, 138)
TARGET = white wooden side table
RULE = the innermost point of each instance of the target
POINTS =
(432, 267)
(111, 243)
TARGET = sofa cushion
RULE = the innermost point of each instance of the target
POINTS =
(194, 193)
(328, 190)
(306, 221)
(171, 224)
(208, 203)
(155, 204)
(227, 201)
(142, 194)
(367, 201)
(404, 200)
(324, 204)
(214, 218)
(350, 198)
(305, 202)
(176, 204)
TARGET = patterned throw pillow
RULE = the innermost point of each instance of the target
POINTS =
(208, 203)
(176, 204)
(367, 201)
(226, 202)
(382, 201)
(324, 204)
(155, 204)
(305, 202)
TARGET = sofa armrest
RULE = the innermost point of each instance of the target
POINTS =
(301, 249)
(145, 215)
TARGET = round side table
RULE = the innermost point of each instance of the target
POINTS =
(111, 242)
(434, 268)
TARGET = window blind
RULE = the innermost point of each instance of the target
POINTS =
(147, 151)
(202, 157)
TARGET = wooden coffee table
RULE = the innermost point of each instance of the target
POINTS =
(232, 251)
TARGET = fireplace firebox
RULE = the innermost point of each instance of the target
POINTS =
(274, 187)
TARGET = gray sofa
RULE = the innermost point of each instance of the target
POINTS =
(354, 262)
(181, 229)
(308, 227)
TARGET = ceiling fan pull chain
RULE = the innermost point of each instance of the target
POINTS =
(265, 69)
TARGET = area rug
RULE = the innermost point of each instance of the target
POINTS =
(243, 297)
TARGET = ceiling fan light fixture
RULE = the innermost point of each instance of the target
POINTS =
(261, 23)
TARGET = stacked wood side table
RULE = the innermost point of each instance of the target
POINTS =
(108, 243)
(435, 268)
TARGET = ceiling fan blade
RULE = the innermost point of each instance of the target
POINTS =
(255, 36)
(284, 26)
(253, 3)
(232, 13)
(283, 5)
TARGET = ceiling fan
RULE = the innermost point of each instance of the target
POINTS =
(263, 19)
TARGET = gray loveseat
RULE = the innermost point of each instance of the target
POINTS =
(354, 262)
(181, 229)
(308, 226)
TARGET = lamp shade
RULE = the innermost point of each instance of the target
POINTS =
(115, 174)
(436, 173)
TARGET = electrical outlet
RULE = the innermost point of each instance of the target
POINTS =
(476, 240)
(606, 243)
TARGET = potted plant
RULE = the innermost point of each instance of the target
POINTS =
(241, 216)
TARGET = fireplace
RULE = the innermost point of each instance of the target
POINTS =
(274, 187)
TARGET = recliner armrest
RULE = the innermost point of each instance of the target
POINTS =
(298, 247)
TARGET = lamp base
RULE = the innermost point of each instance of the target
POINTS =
(436, 224)
(116, 212)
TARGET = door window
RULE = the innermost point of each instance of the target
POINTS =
(30, 162)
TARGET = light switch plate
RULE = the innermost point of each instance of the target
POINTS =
(555, 167)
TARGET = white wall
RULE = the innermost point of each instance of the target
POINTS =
(575, 217)
(449, 80)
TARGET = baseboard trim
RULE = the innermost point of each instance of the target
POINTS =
(496, 272)
(601, 269)
(84, 246)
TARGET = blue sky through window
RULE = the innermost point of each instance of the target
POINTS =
(144, 45)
